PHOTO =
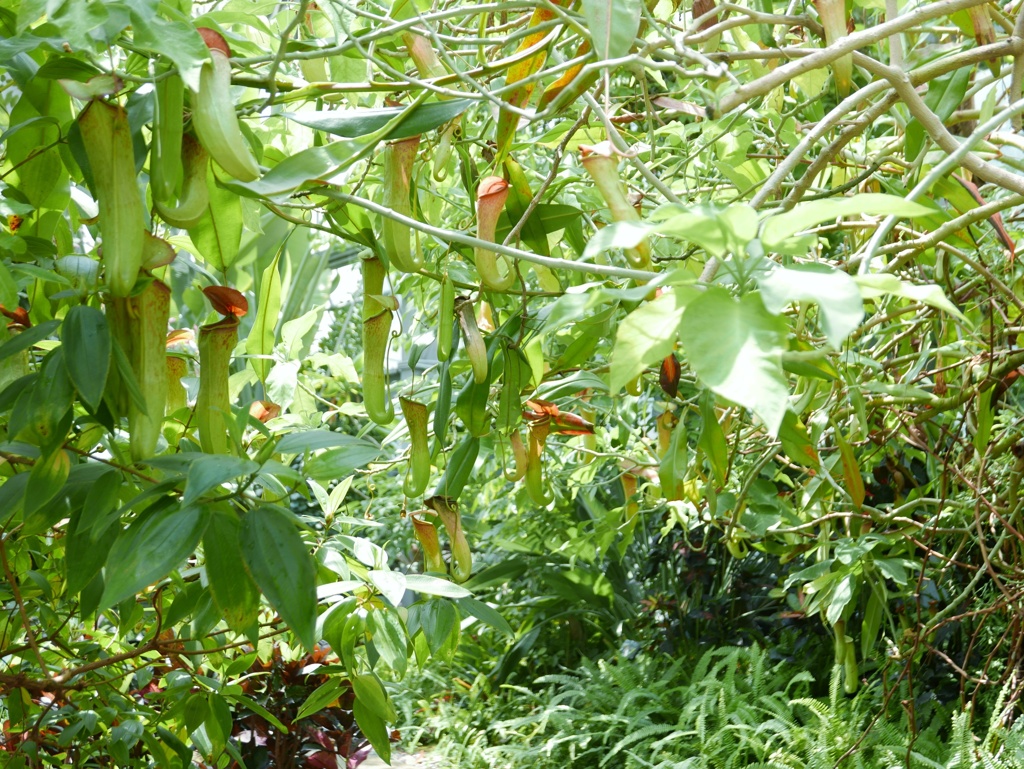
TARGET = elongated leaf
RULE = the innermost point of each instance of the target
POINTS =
(233, 592)
(520, 70)
(672, 470)
(311, 440)
(374, 728)
(424, 583)
(485, 614)
(735, 347)
(370, 692)
(218, 234)
(647, 335)
(321, 697)
(777, 229)
(282, 567)
(212, 471)
(46, 479)
(148, 550)
(389, 638)
(872, 286)
(86, 340)
(268, 307)
(352, 124)
(851, 471)
(302, 167)
(337, 463)
(27, 338)
(613, 25)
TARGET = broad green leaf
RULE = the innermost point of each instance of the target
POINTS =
(438, 619)
(234, 593)
(46, 479)
(718, 230)
(613, 25)
(84, 555)
(648, 335)
(260, 341)
(616, 235)
(352, 124)
(841, 596)
(213, 470)
(391, 584)
(389, 638)
(86, 341)
(735, 347)
(872, 286)
(218, 234)
(776, 229)
(149, 549)
(374, 728)
(320, 698)
(280, 563)
(370, 692)
(836, 294)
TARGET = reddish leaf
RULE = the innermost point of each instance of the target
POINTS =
(669, 375)
(227, 301)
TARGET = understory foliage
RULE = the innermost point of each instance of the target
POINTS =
(587, 381)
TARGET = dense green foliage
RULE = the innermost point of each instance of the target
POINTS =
(557, 346)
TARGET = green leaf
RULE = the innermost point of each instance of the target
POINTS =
(735, 347)
(648, 335)
(776, 229)
(613, 25)
(282, 567)
(46, 479)
(797, 443)
(370, 692)
(213, 470)
(351, 124)
(389, 638)
(672, 470)
(423, 583)
(718, 230)
(177, 40)
(485, 614)
(337, 463)
(300, 168)
(268, 307)
(872, 286)
(836, 294)
(84, 556)
(86, 341)
(841, 596)
(320, 698)
(310, 440)
(27, 338)
(438, 619)
(155, 544)
(851, 471)
(374, 728)
(218, 234)
(234, 593)
(616, 235)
